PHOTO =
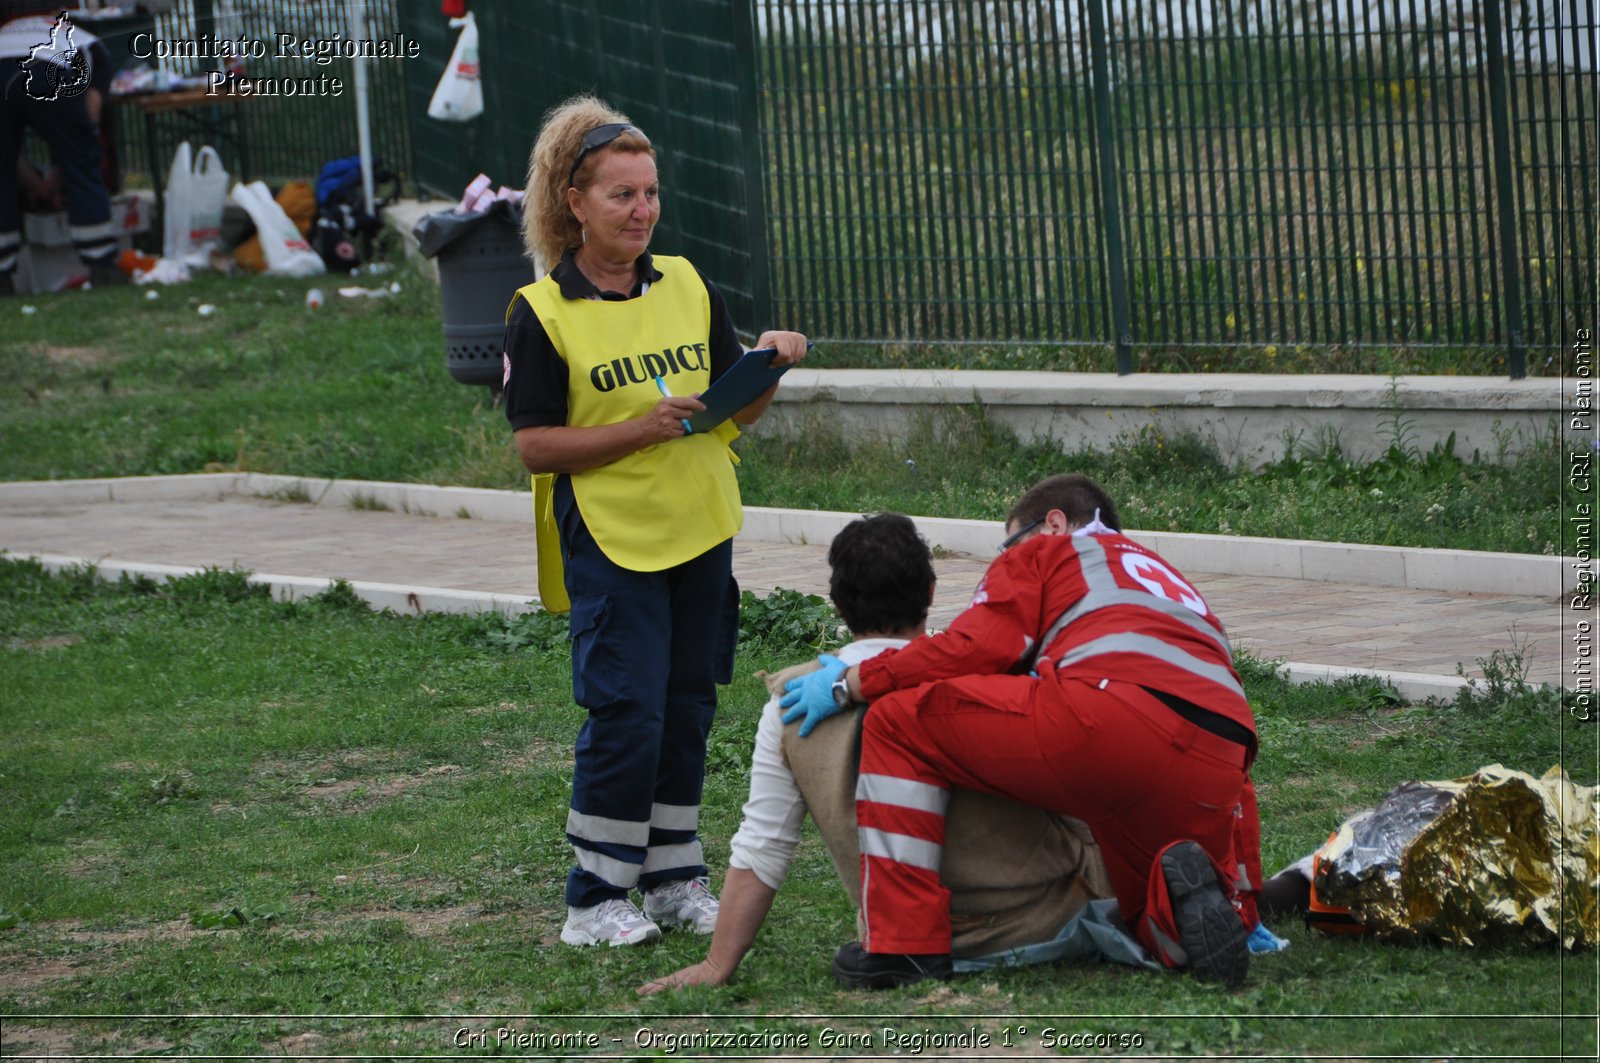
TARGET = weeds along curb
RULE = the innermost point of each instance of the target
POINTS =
(397, 597)
(1456, 571)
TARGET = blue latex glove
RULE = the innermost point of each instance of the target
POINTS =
(811, 696)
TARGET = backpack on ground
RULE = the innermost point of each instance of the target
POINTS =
(344, 231)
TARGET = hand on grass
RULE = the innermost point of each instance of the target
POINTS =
(703, 973)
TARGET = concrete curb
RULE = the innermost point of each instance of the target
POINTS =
(400, 598)
(1455, 571)
(1251, 420)
(1411, 686)
(1011, 387)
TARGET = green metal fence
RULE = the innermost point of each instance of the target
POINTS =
(676, 69)
(1168, 175)
(1153, 176)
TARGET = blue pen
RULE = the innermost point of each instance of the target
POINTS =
(661, 385)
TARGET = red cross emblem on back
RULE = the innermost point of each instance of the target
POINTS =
(1161, 581)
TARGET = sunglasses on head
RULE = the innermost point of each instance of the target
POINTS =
(599, 137)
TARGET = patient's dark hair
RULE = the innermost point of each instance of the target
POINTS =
(882, 574)
(1073, 494)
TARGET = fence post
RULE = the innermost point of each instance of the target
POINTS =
(1516, 349)
(1110, 201)
(754, 164)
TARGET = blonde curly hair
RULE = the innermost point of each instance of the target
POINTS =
(548, 227)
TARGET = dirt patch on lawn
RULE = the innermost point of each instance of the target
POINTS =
(57, 354)
(87, 951)
(300, 1045)
(19, 974)
(50, 642)
(538, 753)
(423, 923)
(87, 857)
(353, 781)
(39, 1040)
(504, 706)
(361, 794)
(68, 1038)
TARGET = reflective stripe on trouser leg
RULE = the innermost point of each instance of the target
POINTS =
(640, 755)
(613, 776)
(674, 845)
(619, 666)
(10, 245)
(703, 603)
(95, 243)
(901, 826)
(1157, 928)
(606, 848)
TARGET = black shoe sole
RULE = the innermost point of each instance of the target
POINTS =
(1209, 929)
(884, 978)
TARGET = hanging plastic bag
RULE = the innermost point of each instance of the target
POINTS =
(286, 250)
(459, 96)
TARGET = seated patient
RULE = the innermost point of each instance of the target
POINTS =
(1017, 874)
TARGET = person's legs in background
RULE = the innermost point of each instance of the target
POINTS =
(73, 137)
(74, 140)
(12, 82)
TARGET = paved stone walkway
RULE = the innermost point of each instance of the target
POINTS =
(1340, 626)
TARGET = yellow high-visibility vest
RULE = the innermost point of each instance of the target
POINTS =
(667, 503)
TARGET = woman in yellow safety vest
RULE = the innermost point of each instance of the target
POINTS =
(604, 357)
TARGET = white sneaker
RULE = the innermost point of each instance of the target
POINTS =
(616, 922)
(688, 903)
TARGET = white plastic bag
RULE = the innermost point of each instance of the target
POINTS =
(208, 188)
(197, 190)
(459, 96)
(175, 205)
(285, 250)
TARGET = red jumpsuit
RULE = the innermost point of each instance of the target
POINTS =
(1127, 655)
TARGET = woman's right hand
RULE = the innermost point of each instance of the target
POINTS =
(665, 421)
(567, 449)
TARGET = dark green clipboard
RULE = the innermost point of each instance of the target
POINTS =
(737, 388)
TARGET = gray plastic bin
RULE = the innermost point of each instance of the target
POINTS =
(481, 266)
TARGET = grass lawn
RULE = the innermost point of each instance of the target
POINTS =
(240, 828)
(246, 828)
(114, 383)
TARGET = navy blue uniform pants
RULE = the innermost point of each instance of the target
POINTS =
(648, 650)
(74, 142)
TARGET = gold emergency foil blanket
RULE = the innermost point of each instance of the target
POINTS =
(1498, 857)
